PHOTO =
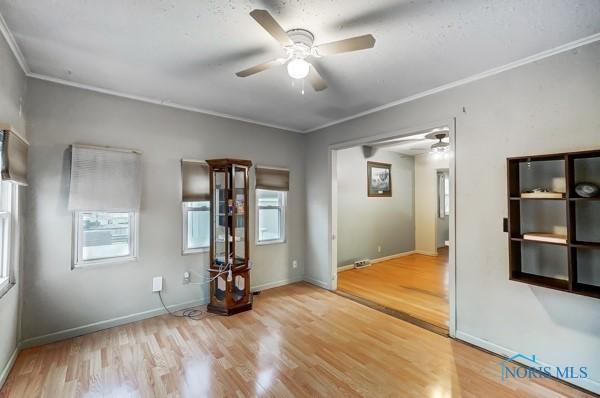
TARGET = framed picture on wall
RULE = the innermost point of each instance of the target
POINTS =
(379, 179)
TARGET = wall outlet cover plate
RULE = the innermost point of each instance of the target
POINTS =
(157, 284)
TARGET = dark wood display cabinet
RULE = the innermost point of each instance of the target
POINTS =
(554, 234)
(229, 257)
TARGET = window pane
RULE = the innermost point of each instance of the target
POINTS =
(269, 224)
(447, 195)
(269, 198)
(3, 247)
(198, 223)
(104, 235)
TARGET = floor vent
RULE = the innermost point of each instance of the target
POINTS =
(362, 263)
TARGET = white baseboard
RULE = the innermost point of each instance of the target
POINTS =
(378, 260)
(588, 384)
(122, 320)
(282, 282)
(426, 253)
(109, 323)
(9, 365)
(316, 282)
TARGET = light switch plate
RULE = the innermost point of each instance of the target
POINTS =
(157, 283)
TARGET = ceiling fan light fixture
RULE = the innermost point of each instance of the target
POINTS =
(440, 146)
(298, 68)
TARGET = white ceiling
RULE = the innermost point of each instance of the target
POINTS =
(186, 52)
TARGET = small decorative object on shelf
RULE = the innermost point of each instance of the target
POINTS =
(587, 190)
(229, 258)
(554, 221)
(540, 193)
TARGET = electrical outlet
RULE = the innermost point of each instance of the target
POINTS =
(157, 284)
(295, 264)
(186, 277)
(378, 249)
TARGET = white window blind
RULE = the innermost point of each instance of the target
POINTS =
(104, 179)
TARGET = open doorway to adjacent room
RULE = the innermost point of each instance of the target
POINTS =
(392, 222)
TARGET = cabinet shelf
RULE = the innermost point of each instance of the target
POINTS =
(572, 266)
(519, 198)
(539, 280)
(586, 245)
(577, 198)
(521, 239)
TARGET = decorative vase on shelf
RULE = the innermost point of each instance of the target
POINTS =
(587, 190)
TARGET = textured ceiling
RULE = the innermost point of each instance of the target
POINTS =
(187, 51)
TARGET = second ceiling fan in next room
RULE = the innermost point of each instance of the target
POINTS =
(299, 46)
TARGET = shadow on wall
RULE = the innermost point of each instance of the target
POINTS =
(554, 305)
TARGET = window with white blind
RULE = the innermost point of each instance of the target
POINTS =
(104, 195)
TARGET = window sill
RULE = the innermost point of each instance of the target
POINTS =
(100, 263)
(5, 287)
(194, 251)
(271, 242)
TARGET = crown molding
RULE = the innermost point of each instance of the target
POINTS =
(10, 39)
(157, 102)
(14, 47)
(491, 72)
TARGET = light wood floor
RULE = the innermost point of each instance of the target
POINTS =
(298, 341)
(416, 285)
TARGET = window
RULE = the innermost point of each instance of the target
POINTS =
(271, 216)
(6, 189)
(103, 237)
(196, 226)
(443, 194)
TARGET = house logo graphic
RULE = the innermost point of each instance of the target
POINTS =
(512, 368)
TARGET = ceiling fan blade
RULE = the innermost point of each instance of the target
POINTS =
(316, 80)
(346, 45)
(270, 25)
(260, 67)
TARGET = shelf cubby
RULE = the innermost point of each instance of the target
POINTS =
(573, 266)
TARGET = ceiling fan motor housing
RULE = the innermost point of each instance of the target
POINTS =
(303, 43)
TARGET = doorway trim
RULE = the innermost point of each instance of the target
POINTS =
(333, 204)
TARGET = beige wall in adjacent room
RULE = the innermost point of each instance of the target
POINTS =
(426, 201)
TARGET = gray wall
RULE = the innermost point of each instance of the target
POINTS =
(365, 223)
(12, 93)
(56, 297)
(551, 105)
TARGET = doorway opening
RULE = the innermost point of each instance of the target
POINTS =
(392, 224)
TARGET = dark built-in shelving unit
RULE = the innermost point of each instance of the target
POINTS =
(573, 266)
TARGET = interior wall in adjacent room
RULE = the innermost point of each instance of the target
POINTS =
(58, 298)
(547, 106)
(373, 227)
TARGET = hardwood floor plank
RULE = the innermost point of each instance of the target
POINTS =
(299, 341)
(416, 285)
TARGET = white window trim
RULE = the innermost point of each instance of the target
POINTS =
(283, 221)
(186, 250)
(9, 261)
(77, 263)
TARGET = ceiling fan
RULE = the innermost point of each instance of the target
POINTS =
(299, 45)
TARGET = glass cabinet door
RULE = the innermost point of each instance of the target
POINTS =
(240, 205)
(220, 231)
